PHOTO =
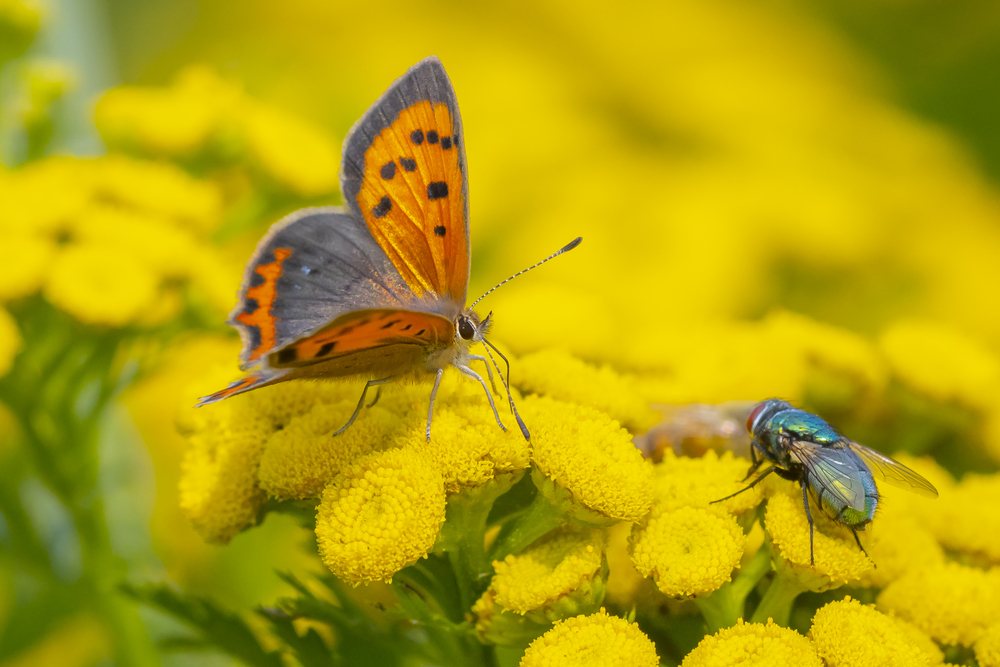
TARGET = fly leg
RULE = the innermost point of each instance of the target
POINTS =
(812, 528)
(753, 458)
(434, 393)
(746, 488)
(858, 540)
(361, 403)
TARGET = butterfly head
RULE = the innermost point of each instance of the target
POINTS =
(469, 328)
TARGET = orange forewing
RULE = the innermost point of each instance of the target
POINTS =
(412, 200)
(365, 330)
(264, 294)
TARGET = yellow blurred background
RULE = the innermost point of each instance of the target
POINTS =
(754, 182)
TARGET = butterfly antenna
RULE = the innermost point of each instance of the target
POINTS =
(510, 399)
(566, 248)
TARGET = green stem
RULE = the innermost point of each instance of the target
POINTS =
(463, 535)
(724, 607)
(778, 600)
(542, 516)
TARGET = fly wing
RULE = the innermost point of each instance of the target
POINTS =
(311, 268)
(835, 471)
(893, 472)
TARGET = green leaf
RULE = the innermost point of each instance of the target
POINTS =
(222, 629)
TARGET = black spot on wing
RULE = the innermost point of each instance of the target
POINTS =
(250, 305)
(383, 208)
(389, 324)
(409, 164)
(440, 230)
(446, 143)
(326, 349)
(287, 355)
(388, 170)
(417, 137)
(432, 136)
(437, 190)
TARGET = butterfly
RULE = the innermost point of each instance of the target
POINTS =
(377, 289)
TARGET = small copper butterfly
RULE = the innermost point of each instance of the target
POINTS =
(377, 289)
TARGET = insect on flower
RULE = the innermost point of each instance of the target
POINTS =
(376, 290)
(841, 473)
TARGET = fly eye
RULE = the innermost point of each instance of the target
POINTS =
(753, 417)
(465, 328)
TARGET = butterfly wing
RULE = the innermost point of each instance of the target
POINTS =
(834, 470)
(893, 472)
(404, 174)
(313, 267)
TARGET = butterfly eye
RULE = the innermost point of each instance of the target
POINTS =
(465, 328)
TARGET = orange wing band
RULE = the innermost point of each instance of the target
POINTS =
(265, 294)
(368, 330)
(413, 202)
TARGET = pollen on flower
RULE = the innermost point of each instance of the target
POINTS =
(837, 558)
(680, 481)
(953, 603)
(847, 633)
(380, 514)
(557, 373)
(598, 639)
(100, 285)
(555, 566)
(754, 644)
(300, 459)
(689, 551)
(589, 455)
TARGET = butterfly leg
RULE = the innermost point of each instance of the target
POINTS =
(489, 371)
(378, 395)
(361, 402)
(434, 393)
(472, 374)
(812, 528)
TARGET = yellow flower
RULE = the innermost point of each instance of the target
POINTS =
(899, 542)
(303, 457)
(969, 518)
(682, 481)
(10, 341)
(753, 644)
(689, 551)
(941, 362)
(158, 245)
(219, 491)
(952, 603)
(466, 445)
(380, 514)
(587, 454)
(296, 155)
(598, 640)
(557, 373)
(847, 633)
(99, 285)
(553, 567)
(988, 647)
(159, 189)
(26, 262)
(837, 558)
(176, 121)
(29, 205)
